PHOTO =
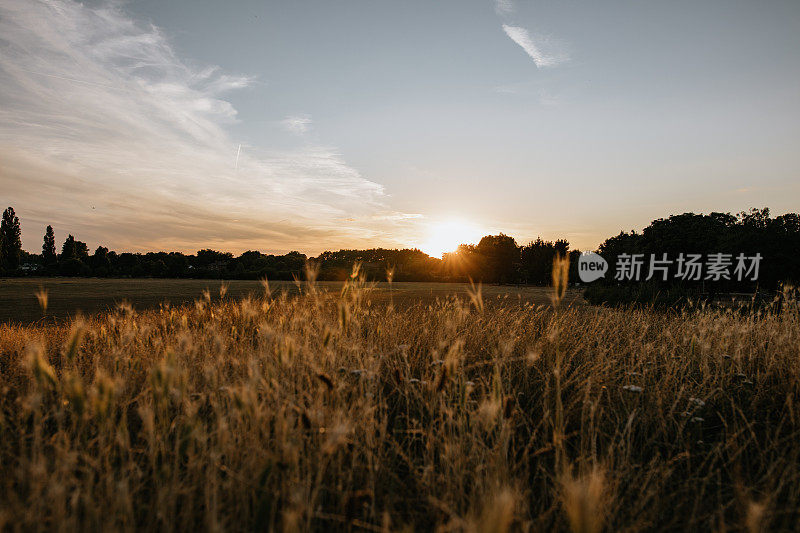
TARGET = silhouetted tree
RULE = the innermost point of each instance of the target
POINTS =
(176, 265)
(574, 256)
(776, 239)
(100, 263)
(49, 256)
(127, 263)
(500, 258)
(74, 249)
(463, 264)
(10, 243)
(207, 258)
(374, 264)
(537, 260)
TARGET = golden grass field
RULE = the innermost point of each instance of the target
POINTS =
(332, 411)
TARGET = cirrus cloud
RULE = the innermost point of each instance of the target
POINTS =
(105, 132)
(297, 124)
(503, 7)
(542, 50)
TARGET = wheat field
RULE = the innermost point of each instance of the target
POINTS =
(327, 412)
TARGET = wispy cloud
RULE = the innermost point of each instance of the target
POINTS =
(298, 124)
(504, 7)
(543, 51)
(399, 216)
(98, 110)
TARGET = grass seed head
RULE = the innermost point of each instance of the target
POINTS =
(41, 296)
(560, 276)
(585, 500)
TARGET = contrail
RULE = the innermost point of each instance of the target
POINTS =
(239, 151)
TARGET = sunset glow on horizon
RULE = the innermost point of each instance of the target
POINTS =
(445, 236)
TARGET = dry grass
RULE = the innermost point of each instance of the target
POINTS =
(325, 412)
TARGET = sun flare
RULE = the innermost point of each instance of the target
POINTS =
(445, 236)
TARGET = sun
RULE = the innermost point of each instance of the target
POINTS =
(445, 236)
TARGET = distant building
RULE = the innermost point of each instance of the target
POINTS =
(29, 268)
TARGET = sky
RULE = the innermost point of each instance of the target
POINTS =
(318, 125)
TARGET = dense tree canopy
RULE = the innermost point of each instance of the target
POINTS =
(777, 240)
(74, 249)
(537, 259)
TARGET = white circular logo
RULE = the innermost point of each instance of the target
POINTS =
(591, 267)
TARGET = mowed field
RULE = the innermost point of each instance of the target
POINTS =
(88, 296)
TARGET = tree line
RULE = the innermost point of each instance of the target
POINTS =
(776, 239)
(494, 259)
